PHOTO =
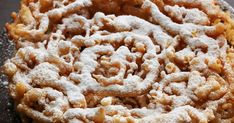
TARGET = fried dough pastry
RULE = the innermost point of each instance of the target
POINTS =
(122, 61)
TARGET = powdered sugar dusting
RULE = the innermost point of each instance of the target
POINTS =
(97, 65)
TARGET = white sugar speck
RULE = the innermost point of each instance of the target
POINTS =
(5, 83)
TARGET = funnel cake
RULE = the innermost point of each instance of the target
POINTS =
(122, 61)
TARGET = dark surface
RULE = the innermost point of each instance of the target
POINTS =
(7, 113)
(6, 7)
